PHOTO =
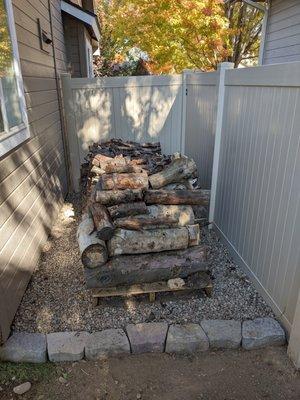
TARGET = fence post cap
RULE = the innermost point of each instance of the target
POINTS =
(225, 65)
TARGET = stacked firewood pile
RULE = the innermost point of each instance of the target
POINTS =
(138, 205)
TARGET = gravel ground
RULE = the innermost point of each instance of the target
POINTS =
(56, 299)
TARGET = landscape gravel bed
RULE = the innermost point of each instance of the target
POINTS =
(56, 298)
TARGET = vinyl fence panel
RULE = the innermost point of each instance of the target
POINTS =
(202, 90)
(258, 189)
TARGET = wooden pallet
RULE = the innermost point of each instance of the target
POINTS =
(199, 281)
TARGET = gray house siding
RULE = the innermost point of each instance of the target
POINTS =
(282, 41)
(76, 36)
(32, 176)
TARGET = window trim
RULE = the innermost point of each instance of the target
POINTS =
(18, 134)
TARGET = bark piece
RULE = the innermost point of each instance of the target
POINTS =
(124, 181)
(112, 197)
(192, 197)
(127, 209)
(102, 221)
(147, 268)
(179, 169)
(194, 234)
(93, 251)
(137, 242)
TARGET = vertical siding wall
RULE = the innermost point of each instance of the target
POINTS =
(32, 176)
(282, 43)
(258, 189)
(201, 101)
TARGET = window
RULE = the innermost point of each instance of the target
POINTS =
(13, 117)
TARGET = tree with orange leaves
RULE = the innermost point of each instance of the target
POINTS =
(175, 34)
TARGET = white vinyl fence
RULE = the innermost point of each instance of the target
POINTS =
(144, 109)
(257, 181)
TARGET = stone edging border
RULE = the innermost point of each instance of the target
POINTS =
(143, 338)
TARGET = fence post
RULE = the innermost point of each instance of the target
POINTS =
(294, 342)
(218, 133)
(71, 134)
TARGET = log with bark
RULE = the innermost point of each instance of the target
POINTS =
(127, 209)
(111, 168)
(102, 221)
(147, 268)
(112, 197)
(182, 213)
(124, 181)
(104, 162)
(147, 241)
(140, 222)
(179, 169)
(93, 250)
(158, 216)
(192, 197)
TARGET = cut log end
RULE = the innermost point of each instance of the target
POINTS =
(93, 251)
(94, 256)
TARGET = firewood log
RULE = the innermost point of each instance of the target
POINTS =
(194, 234)
(145, 241)
(193, 197)
(146, 268)
(102, 221)
(177, 186)
(158, 216)
(93, 250)
(127, 209)
(110, 168)
(124, 181)
(112, 197)
(140, 222)
(98, 158)
(178, 169)
(184, 215)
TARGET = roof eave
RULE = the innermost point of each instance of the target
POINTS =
(84, 16)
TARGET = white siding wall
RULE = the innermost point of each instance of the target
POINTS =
(282, 42)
